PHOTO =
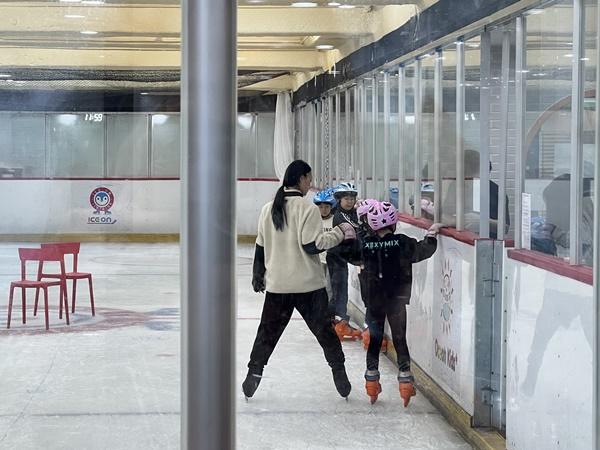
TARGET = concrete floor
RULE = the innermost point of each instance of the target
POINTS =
(112, 382)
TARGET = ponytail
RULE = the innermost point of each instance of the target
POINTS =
(294, 171)
(278, 209)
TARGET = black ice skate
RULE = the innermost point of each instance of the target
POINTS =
(250, 384)
(342, 384)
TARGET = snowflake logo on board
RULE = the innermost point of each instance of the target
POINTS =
(447, 292)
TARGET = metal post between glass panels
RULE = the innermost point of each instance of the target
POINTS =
(437, 125)
(363, 138)
(521, 84)
(330, 127)
(418, 156)
(386, 137)
(503, 134)
(374, 114)
(301, 133)
(338, 151)
(348, 145)
(316, 150)
(484, 151)
(325, 140)
(576, 132)
(460, 147)
(401, 147)
(596, 263)
(208, 264)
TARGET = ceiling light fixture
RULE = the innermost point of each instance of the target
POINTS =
(533, 12)
(93, 2)
(347, 6)
(74, 16)
(88, 32)
(304, 4)
(70, 1)
(5, 75)
(324, 47)
(334, 4)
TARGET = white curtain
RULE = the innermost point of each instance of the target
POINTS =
(283, 153)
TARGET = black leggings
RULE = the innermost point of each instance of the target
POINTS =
(338, 274)
(276, 314)
(395, 311)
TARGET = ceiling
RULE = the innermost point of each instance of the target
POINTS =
(111, 44)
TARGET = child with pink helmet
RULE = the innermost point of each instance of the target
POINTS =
(386, 282)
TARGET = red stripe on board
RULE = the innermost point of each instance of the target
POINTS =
(467, 237)
(553, 264)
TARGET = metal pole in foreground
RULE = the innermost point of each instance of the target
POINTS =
(208, 228)
(596, 280)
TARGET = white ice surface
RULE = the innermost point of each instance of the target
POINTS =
(93, 385)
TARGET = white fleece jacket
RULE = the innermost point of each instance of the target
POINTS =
(289, 267)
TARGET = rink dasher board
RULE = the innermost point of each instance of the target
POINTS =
(138, 206)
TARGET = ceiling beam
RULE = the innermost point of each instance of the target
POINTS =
(77, 58)
(284, 83)
(102, 19)
(296, 61)
(303, 22)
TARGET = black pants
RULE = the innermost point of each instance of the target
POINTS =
(276, 314)
(395, 311)
(338, 273)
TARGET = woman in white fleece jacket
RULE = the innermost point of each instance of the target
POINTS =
(287, 265)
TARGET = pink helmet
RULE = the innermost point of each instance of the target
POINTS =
(382, 215)
(364, 206)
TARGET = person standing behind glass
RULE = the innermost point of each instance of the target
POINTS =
(557, 197)
(287, 266)
(472, 216)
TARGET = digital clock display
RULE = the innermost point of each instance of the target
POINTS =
(94, 117)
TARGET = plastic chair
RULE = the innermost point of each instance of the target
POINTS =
(70, 248)
(40, 255)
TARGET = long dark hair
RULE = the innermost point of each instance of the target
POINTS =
(294, 171)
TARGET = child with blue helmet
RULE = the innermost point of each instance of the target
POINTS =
(337, 263)
(327, 203)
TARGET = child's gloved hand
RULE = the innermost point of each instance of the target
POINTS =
(435, 229)
(427, 206)
(349, 231)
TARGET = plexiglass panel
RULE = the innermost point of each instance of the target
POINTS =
(22, 152)
(165, 145)
(265, 137)
(548, 118)
(75, 145)
(127, 145)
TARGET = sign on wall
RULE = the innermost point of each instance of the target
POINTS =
(446, 332)
(102, 200)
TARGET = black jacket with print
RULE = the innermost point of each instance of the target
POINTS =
(337, 256)
(387, 264)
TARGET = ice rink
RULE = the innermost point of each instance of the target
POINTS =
(112, 381)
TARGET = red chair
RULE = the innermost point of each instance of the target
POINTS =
(40, 255)
(70, 248)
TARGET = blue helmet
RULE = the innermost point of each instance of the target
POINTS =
(325, 196)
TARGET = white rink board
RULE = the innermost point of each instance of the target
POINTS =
(141, 206)
(549, 360)
(430, 319)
